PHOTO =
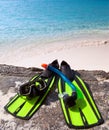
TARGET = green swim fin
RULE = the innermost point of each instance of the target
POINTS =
(79, 108)
(32, 94)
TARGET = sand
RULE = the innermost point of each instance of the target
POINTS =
(81, 54)
(84, 53)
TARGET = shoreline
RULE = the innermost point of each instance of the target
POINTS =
(82, 53)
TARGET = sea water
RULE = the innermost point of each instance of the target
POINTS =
(24, 22)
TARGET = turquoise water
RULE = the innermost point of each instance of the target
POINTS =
(50, 19)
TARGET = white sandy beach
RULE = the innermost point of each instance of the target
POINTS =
(89, 53)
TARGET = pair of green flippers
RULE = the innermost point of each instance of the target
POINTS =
(80, 110)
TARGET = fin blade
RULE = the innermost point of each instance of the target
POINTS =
(85, 113)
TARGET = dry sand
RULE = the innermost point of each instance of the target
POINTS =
(87, 54)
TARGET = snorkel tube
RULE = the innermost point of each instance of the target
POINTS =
(60, 74)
